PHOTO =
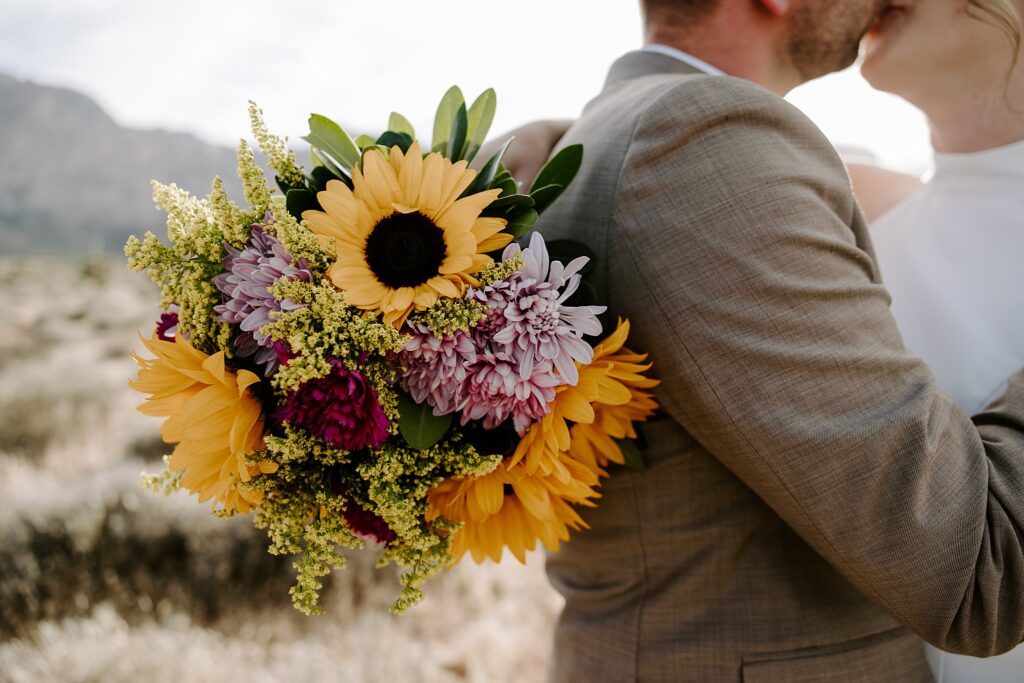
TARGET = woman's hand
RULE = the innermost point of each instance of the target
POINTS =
(530, 151)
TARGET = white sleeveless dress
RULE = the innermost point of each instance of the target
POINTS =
(952, 256)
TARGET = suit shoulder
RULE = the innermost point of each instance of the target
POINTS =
(707, 101)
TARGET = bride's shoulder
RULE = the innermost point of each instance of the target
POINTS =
(878, 190)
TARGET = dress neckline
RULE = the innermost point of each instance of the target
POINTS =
(970, 171)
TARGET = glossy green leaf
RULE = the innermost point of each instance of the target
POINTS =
(522, 223)
(632, 453)
(560, 169)
(332, 140)
(508, 187)
(364, 141)
(485, 178)
(481, 116)
(324, 161)
(418, 425)
(546, 196)
(390, 138)
(321, 175)
(509, 204)
(569, 250)
(457, 136)
(297, 201)
(446, 111)
(400, 124)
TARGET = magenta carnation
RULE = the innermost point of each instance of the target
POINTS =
(367, 525)
(167, 326)
(341, 408)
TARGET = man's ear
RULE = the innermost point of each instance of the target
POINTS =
(777, 8)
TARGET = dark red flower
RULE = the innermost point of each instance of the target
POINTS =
(341, 408)
(167, 326)
(365, 524)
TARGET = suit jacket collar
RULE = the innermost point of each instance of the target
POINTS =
(641, 63)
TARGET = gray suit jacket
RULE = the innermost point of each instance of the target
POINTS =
(811, 500)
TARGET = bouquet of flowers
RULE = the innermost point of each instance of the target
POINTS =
(368, 356)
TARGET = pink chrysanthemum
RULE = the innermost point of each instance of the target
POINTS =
(496, 391)
(508, 366)
(535, 322)
(341, 408)
(436, 367)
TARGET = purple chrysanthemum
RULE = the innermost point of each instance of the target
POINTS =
(341, 408)
(246, 287)
(534, 320)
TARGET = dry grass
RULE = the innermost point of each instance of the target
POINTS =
(100, 581)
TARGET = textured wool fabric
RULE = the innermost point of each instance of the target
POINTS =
(811, 500)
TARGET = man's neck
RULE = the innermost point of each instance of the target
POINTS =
(731, 54)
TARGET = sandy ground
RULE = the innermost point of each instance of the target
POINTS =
(102, 581)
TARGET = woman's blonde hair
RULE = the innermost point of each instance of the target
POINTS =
(1003, 15)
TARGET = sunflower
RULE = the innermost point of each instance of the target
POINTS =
(513, 509)
(211, 416)
(594, 443)
(403, 235)
(600, 408)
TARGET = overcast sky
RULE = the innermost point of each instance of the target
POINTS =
(192, 65)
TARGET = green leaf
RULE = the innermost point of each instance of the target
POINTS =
(390, 138)
(326, 163)
(631, 452)
(508, 187)
(560, 169)
(510, 204)
(546, 196)
(418, 425)
(364, 141)
(321, 175)
(380, 148)
(457, 136)
(297, 201)
(586, 295)
(521, 223)
(566, 251)
(400, 124)
(487, 174)
(446, 110)
(332, 140)
(481, 116)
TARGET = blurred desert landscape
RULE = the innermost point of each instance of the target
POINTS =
(100, 580)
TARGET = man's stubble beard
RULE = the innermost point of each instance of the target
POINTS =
(825, 35)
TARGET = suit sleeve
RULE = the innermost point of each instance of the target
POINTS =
(736, 251)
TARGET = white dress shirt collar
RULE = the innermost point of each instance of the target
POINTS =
(685, 57)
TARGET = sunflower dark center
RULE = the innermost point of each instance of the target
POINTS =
(405, 250)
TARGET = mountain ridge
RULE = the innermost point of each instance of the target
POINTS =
(76, 181)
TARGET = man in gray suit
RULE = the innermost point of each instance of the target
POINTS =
(812, 505)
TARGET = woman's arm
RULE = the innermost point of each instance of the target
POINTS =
(531, 149)
(878, 190)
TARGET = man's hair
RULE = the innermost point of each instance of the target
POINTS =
(690, 8)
